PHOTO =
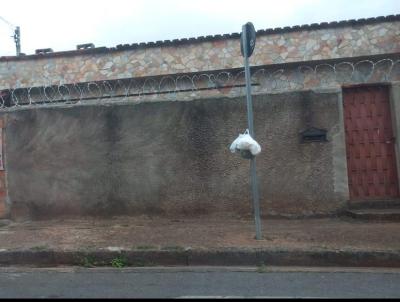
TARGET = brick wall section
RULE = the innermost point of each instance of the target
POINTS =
(294, 46)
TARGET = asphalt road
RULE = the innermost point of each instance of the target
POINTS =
(196, 283)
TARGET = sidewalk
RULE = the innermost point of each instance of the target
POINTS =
(208, 241)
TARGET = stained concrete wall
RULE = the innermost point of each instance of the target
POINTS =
(172, 158)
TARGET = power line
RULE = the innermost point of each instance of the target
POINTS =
(8, 23)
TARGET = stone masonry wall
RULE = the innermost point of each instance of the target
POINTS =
(332, 74)
(295, 46)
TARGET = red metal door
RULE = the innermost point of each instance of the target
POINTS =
(371, 160)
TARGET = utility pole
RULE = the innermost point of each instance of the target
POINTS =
(16, 36)
(17, 40)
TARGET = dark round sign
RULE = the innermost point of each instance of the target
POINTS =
(251, 39)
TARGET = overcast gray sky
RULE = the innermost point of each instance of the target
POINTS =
(62, 25)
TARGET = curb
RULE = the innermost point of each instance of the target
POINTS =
(223, 257)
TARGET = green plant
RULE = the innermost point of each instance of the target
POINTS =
(119, 262)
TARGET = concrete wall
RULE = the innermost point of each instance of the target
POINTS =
(349, 40)
(173, 158)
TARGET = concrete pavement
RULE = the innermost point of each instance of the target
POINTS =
(152, 241)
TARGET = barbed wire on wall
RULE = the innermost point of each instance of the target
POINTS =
(230, 83)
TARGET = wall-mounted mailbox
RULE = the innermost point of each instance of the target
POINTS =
(312, 135)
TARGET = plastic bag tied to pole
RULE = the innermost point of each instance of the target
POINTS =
(245, 142)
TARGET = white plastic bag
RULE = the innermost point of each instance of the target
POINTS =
(245, 142)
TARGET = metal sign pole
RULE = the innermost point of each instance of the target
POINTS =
(254, 183)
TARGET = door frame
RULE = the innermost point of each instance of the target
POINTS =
(394, 101)
(394, 104)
